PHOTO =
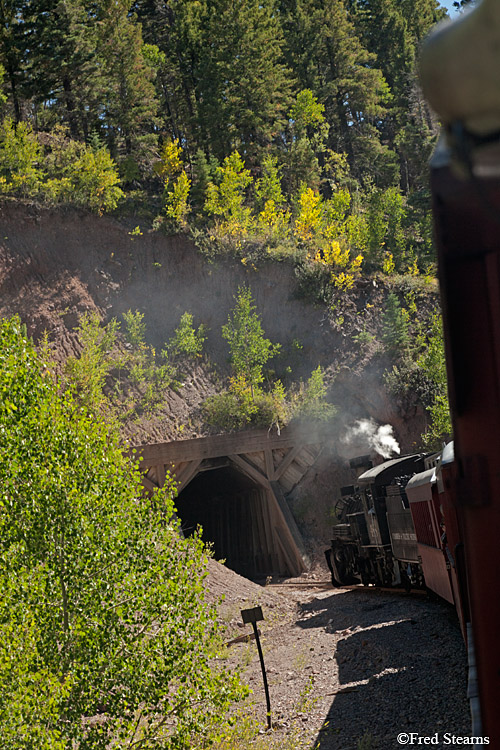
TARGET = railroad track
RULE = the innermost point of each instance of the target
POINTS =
(325, 585)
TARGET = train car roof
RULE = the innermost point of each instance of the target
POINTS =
(391, 466)
(425, 477)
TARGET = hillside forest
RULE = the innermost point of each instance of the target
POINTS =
(292, 123)
(266, 130)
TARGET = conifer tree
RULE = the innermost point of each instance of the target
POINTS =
(328, 57)
(126, 91)
(11, 52)
(250, 349)
(59, 57)
(243, 83)
(395, 327)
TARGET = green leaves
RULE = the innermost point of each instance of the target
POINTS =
(395, 327)
(250, 349)
(68, 171)
(187, 339)
(102, 615)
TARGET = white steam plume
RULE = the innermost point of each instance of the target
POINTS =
(365, 436)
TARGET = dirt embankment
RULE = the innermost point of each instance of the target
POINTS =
(56, 264)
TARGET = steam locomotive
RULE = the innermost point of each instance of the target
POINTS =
(392, 528)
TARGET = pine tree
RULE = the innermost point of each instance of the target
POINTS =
(395, 327)
(243, 83)
(60, 60)
(392, 31)
(327, 56)
(176, 29)
(12, 52)
(127, 95)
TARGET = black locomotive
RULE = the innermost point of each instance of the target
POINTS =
(375, 540)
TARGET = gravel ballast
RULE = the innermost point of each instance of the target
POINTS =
(354, 668)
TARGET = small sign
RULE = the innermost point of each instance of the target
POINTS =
(252, 615)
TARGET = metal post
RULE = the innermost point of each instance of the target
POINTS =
(264, 676)
(253, 616)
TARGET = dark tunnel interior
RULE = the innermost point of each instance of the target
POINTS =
(231, 509)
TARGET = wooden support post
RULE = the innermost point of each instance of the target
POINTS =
(250, 471)
(268, 456)
(287, 461)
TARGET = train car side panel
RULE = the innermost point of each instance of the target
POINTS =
(467, 228)
(424, 505)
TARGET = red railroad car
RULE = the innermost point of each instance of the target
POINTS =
(467, 220)
(428, 520)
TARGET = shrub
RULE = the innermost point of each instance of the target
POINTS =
(187, 340)
(176, 202)
(88, 371)
(250, 349)
(310, 401)
(241, 406)
(105, 635)
(20, 157)
(135, 328)
(94, 181)
(308, 222)
(62, 171)
(226, 199)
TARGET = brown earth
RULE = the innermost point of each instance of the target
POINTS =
(56, 264)
(345, 666)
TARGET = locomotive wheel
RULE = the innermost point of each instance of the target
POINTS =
(328, 557)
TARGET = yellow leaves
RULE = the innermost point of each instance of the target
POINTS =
(413, 269)
(274, 219)
(326, 228)
(344, 269)
(388, 265)
(356, 263)
(227, 198)
(308, 221)
(170, 165)
(239, 385)
(176, 203)
(343, 280)
(333, 255)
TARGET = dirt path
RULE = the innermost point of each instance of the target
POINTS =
(344, 665)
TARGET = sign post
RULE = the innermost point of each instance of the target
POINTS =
(254, 615)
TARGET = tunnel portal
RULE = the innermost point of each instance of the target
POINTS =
(235, 486)
(234, 513)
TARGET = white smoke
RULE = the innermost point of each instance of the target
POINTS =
(365, 436)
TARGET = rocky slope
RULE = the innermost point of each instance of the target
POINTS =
(56, 264)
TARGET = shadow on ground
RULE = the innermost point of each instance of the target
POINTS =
(401, 667)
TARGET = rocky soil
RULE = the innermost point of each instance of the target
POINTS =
(347, 666)
(56, 264)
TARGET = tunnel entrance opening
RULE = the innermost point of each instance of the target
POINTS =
(239, 518)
